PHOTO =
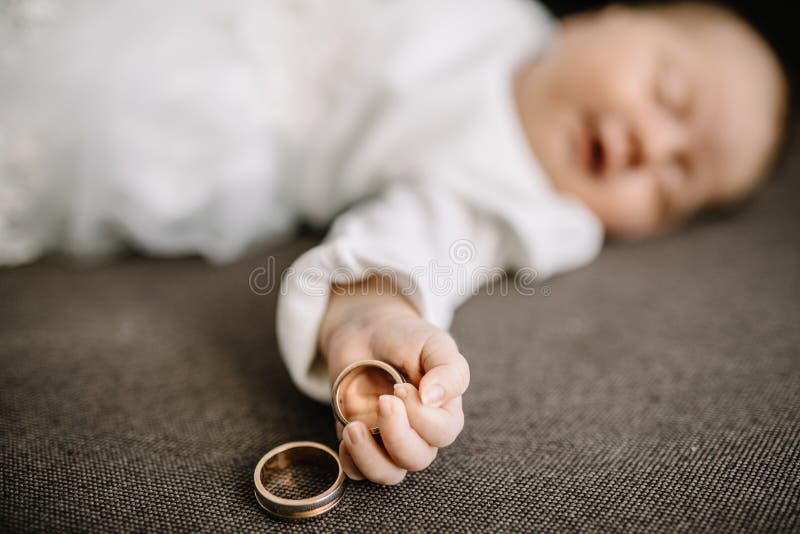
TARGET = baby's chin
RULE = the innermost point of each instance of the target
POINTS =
(621, 214)
(641, 226)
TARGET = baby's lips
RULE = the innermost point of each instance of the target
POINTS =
(612, 138)
(582, 140)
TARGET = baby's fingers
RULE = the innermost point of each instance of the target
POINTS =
(438, 426)
(407, 448)
(350, 468)
(446, 371)
(369, 457)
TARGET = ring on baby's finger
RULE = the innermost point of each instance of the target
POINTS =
(336, 401)
(274, 467)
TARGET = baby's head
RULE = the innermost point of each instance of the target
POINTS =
(649, 114)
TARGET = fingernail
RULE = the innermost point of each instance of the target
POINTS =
(385, 405)
(400, 391)
(352, 475)
(432, 395)
(356, 432)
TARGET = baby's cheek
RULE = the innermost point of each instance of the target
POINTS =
(631, 206)
(607, 73)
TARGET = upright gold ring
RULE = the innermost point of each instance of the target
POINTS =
(281, 458)
(336, 402)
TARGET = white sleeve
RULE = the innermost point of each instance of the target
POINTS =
(436, 245)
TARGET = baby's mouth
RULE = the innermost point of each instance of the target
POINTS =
(594, 153)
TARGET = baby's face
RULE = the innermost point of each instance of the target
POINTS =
(646, 119)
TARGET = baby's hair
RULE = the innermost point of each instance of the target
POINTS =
(693, 15)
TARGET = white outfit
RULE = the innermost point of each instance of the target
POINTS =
(220, 125)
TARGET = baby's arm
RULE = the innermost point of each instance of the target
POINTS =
(372, 321)
(412, 235)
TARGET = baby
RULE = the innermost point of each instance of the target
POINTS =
(445, 140)
(646, 116)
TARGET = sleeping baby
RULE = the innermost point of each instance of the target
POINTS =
(443, 140)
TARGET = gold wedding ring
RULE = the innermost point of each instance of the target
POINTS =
(336, 402)
(293, 453)
(306, 453)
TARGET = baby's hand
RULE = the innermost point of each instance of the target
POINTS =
(421, 415)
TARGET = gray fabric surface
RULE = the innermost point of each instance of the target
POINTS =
(657, 389)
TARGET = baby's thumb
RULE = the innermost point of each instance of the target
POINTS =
(446, 374)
